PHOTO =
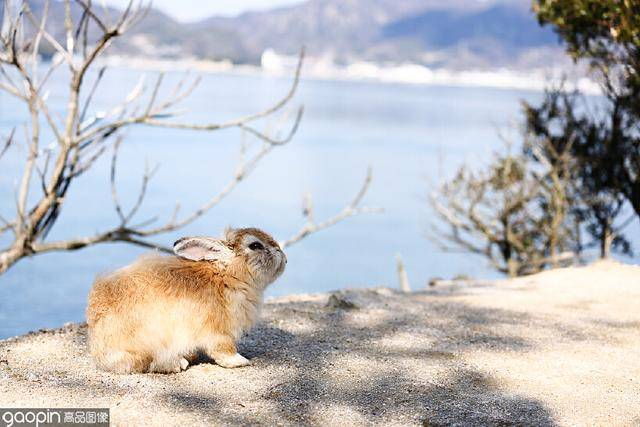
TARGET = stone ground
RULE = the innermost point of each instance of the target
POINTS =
(558, 348)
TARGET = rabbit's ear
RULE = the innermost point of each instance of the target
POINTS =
(203, 249)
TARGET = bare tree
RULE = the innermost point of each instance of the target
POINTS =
(556, 196)
(509, 212)
(81, 139)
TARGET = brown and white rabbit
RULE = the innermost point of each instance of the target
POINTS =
(158, 313)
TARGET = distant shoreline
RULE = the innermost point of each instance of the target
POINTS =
(409, 74)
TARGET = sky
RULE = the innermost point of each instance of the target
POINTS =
(194, 10)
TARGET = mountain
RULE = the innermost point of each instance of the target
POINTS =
(446, 28)
(452, 33)
(459, 33)
(157, 35)
(498, 35)
(342, 28)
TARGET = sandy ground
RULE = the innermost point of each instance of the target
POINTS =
(558, 348)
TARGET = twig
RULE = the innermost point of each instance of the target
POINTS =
(7, 225)
(244, 169)
(89, 12)
(112, 179)
(91, 92)
(350, 210)
(8, 142)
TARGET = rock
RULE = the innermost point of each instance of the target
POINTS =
(340, 302)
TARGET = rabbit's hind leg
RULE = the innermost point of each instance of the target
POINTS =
(123, 362)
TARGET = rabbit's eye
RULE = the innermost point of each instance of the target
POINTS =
(256, 246)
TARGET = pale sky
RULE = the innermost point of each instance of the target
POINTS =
(194, 10)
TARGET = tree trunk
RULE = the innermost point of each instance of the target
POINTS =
(512, 267)
(605, 242)
(554, 253)
(578, 243)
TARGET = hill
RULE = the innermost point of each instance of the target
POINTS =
(457, 34)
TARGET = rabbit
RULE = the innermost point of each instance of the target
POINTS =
(158, 313)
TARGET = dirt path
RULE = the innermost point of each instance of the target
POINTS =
(561, 347)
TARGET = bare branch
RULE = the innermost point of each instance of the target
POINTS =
(43, 172)
(177, 96)
(87, 102)
(154, 94)
(119, 109)
(114, 190)
(7, 143)
(11, 86)
(30, 163)
(41, 104)
(86, 164)
(284, 101)
(68, 26)
(82, 140)
(36, 43)
(55, 63)
(264, 137)
(243, 122)
(89, 12)
(13, 91)
(57, 46)
(350, 210)
(148, 174)
(6, 225)
(617, 229)
(115, 235)
(243, 171)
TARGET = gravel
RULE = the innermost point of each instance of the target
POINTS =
(558, 348)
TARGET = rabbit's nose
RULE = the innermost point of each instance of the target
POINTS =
(282, 258)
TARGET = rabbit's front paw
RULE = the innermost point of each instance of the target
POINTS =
(183, 364)
(232, 361)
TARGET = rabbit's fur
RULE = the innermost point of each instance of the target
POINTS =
(158, 313)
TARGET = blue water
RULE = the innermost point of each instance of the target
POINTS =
(409, 135)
